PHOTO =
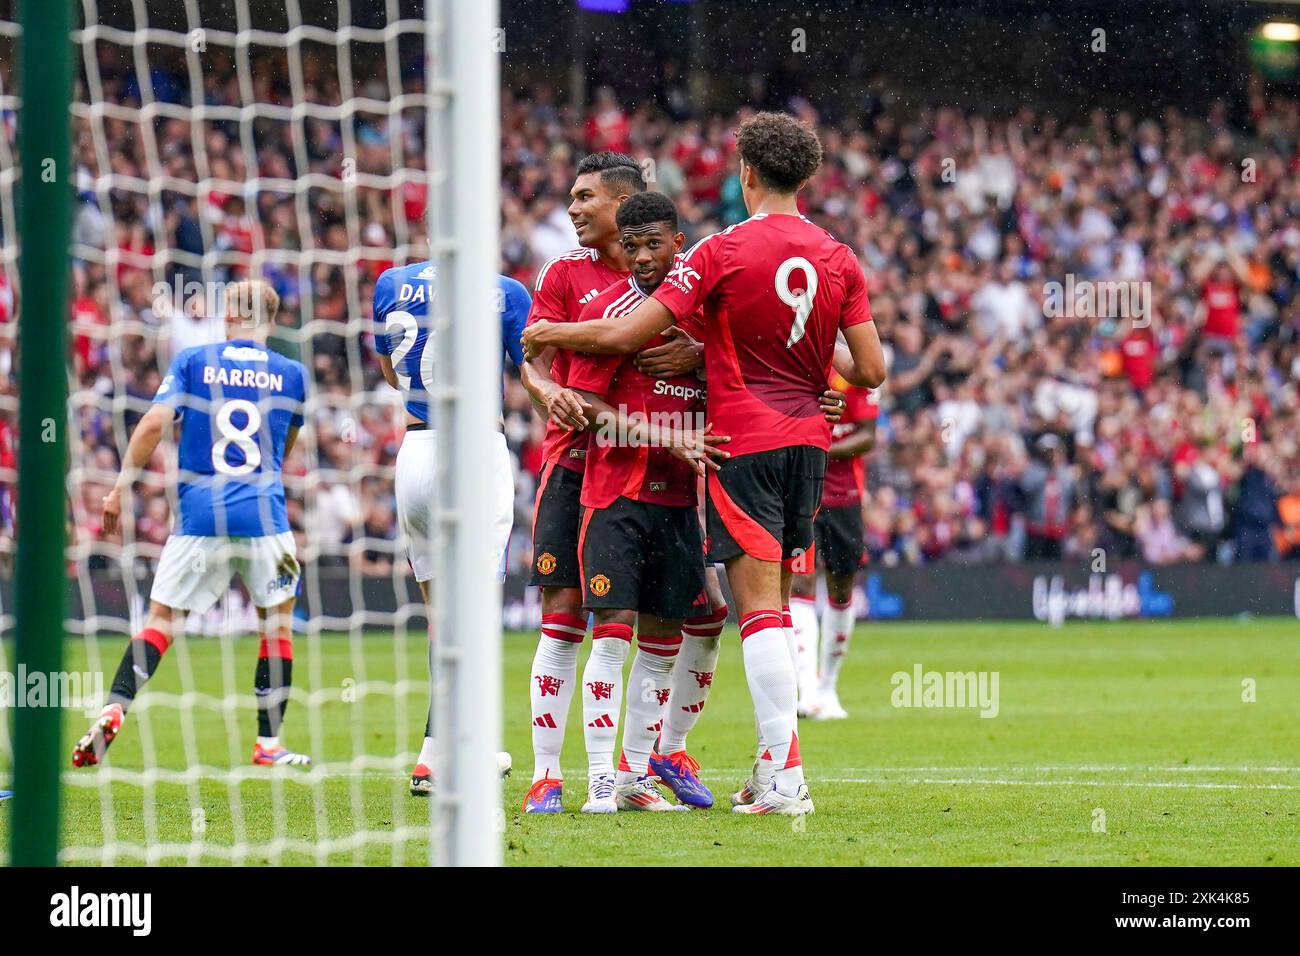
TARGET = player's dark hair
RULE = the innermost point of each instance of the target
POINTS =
(783, 151)
(645, 209)
(619, 172)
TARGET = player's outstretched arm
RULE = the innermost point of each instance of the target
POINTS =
(144, 442)
(698, 448)
(618, 336)
(863, 362)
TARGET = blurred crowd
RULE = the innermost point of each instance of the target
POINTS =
(1018, 422)
(1093, 331)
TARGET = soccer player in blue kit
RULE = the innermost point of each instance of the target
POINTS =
(239, 406)
(403, 295)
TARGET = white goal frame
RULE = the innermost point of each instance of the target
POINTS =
(463, 145)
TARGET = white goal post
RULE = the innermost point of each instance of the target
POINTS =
(463, 164)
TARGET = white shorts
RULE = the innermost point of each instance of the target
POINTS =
(195, 570)
(414, 485)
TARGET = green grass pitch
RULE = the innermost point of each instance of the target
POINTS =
(1115, 744)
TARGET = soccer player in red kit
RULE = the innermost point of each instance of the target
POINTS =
(640, 546)
(564, 285)
(839, 535)
(775, 290)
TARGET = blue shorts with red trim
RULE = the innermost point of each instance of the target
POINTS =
(763, 504)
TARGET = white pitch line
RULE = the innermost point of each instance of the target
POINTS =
(880, 775)
(1072, 768)
(711, 772)
(1001, 782)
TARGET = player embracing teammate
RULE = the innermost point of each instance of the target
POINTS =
(640, 547)
(565, 286)
(775, 291)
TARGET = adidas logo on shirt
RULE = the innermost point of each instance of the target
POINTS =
(589, 296)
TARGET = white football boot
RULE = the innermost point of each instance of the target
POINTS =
(751, 789)
(642, 794)
(774, 801)
(600, 794)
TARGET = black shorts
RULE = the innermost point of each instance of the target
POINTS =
(642, 557)
(763, 504)
(556, 518)
(839, 538)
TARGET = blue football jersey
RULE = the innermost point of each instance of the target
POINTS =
(403, 296)
(235, 402)
(515, 303)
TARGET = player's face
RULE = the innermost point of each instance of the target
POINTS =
(592, 210)
(649, 251)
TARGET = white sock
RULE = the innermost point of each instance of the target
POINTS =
(268, 743)
(762, 772)
(550, 689)
(647, 695)
(837, 629)
(787, 625)
(769, 671)
(803, 612)
(426, 753)
(602, 694)
(692, 678)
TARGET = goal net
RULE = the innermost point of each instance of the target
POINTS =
(216, 141)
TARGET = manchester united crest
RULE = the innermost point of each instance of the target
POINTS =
(545, 563)
(599, 585)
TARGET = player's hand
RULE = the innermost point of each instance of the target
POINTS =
(699, 449)
(833, 404)
(534, 337)
(679, 355)
(111, 511)
(567, 410)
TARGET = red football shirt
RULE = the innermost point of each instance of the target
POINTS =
(844, 476)
(564, 285)
(1222, 309)
(775, 290)
(642, 473)
(1139, 357)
